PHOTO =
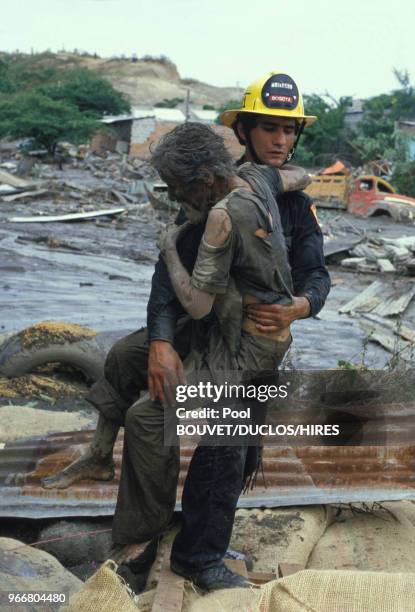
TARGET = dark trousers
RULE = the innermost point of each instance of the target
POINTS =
(147, 491)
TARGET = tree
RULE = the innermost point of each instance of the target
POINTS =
(6, 85)
(375, 136)
(169, 103)
(403, 178)
(227, 106)
(328, 138)
(91, 93)
(47, 121)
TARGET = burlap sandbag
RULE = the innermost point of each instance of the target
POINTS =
(105, 591)
(319, 591)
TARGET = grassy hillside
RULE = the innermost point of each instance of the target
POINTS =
(145, 81)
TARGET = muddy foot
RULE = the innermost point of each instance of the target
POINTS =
(86, 467)
(126, 553)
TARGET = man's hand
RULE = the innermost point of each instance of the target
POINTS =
(274, 317)
(165, 371)
(170, 235)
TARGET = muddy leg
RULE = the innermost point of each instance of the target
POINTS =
(95, 464)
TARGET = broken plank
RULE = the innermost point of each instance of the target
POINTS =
(170, 588)
(24, 194)
(368, 298)
(394, 304)
(286, 569)
(261, 577)
(400, 330)
(15, 181)
(84, 216)
(388, 340)
(238, 566)
(385, 265)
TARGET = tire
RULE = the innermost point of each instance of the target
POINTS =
(87, 355)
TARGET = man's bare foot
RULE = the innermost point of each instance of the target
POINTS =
(87, 467)
(123, 554)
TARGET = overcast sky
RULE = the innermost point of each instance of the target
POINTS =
(348, 47)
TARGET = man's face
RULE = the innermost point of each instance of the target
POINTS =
(272, 139)
(194, 198)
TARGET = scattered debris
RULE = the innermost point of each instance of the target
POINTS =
(15, 181)
(385, 265)
(25, 194)
(71, 217)
(381, 299)
(53, 332)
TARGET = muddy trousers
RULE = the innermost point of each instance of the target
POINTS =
(147, 491)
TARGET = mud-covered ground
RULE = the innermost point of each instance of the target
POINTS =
(98, 273)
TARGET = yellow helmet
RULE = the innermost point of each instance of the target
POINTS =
(273, 94)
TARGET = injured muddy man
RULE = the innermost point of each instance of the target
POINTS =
(234, 247)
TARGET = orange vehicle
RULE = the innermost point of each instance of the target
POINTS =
(366, 196)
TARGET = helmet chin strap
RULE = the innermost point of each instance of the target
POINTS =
(251, 150)
(291, 153)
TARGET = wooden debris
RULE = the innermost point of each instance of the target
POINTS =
(24, 194)
(238, 566)
(379, 299)
(170, 588)
(286, 569)
(397, 252)
(367, 268)
(365, 301)
(400, 330)
(337, 247)
(14, 181)
(352, 262)
(261, 577)
(385, 265)
(395, 304)
(368, 252)
(387, 338)
(83, 216)
(404, 241)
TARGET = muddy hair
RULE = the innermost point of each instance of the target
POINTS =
(189, 151)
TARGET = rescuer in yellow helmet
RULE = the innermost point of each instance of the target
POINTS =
(270, 120)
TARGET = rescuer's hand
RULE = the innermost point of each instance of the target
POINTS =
(165, 371)
(274, 317)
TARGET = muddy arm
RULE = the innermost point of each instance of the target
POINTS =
(197, 302)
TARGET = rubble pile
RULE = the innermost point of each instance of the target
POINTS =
(374, 255)
(81, 182)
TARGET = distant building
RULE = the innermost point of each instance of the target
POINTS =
(354, 113)
(135, 133)
(405, 135)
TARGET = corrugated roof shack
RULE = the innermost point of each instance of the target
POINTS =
(134, 134)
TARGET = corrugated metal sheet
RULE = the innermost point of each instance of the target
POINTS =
(293, 476)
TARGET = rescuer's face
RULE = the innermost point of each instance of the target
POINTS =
(272, 139)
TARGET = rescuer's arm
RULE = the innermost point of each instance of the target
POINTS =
(311, 279)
